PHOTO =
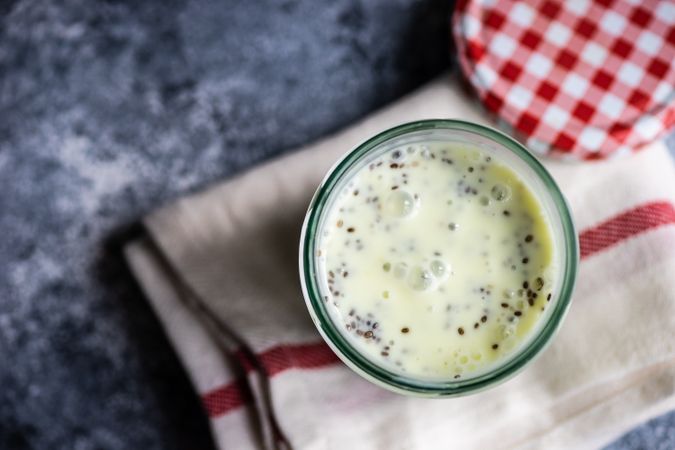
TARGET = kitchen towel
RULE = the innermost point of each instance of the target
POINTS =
(220, 269)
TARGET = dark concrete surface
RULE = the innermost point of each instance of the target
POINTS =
(109, 109)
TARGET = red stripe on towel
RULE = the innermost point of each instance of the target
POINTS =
(278, 359)
(312, 356)
(624, 226)
(224, 398)
(304, 356)
(284, 357)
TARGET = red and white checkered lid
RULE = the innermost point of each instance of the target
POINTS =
(584, 78)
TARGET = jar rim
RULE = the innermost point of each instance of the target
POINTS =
(378, 374)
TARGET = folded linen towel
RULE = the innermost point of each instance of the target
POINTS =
(220, 269)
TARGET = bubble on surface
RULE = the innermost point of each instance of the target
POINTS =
(484, 201)
(420, 279)
(400, 270)
(400, 204)
(508, 330)
(438, 268)
(500, 192)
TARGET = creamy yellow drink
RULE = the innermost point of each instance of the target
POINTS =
(436, 261)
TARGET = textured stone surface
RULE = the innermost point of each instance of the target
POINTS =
(109, 109)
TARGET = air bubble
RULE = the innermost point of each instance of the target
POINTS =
(508, 330)
(400, 270)
(400, 204)
(509, 293)
(420, 279)
(410, 150)
(438, 268)
(500, 192)
(484, 201)
(424, 151)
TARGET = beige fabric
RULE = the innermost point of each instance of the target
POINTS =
(235, 246)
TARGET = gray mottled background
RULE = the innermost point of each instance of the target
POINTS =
(109, 109)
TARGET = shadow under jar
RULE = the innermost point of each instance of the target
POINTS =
(438, 258)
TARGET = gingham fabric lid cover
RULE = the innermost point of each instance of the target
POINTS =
(583, 78)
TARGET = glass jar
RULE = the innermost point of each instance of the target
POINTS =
(527, 167)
